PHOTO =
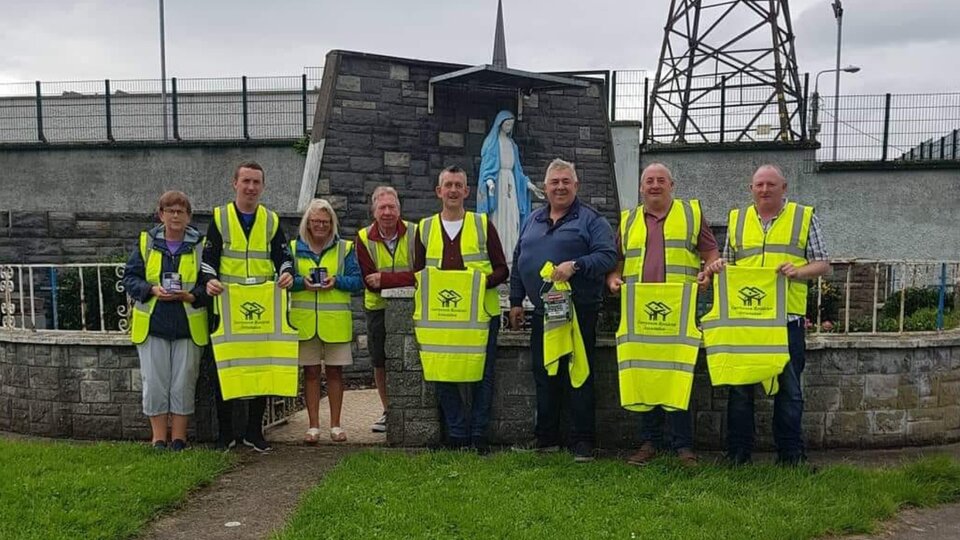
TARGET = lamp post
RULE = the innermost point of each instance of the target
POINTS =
(163, 75)
(815, 110)
(838, 14)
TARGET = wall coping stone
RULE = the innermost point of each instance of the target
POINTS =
(64, 337)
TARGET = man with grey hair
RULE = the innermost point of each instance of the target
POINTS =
(579, 242)
(385, 251)
(775, 232)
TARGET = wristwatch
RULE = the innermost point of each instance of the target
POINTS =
(576, 266)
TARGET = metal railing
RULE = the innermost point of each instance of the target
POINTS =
(133, 110)
(883, 296)
(888, 127)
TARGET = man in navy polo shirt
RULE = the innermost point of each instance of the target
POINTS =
(579, 241)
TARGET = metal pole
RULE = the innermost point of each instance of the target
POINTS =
(815, 116)
(163, 74)
(106, 104)
(886, 127)
(803, 106)
(40, 134)
(243, 97)
(838, 13)
(723, 106)
(176, 108)
(613, 98)
(303, 101)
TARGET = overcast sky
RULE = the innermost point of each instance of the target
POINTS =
(902, 46)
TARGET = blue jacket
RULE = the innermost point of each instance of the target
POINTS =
(169, 320)
(582, 235)
(348, 279)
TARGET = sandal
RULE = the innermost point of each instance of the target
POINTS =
(311, 436)
(337, 434)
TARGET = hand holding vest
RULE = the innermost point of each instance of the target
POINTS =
(561, 331)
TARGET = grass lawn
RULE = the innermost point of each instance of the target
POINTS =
(381, 494)
(104, 490)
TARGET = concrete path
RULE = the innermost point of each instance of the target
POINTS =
(361, 408)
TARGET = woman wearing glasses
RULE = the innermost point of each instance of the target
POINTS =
(169, 322)
(326, 274)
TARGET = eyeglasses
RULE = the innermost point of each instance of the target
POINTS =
(324, 222)
(174, 212)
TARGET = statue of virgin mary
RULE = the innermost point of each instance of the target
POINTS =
(503, 191)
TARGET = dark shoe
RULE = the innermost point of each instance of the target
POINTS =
(457, 444)
(795, 460)
(159, 445)
(687, 457)
(643, 455)
(178, 445)
(480, 445)
(738, 459)
(259, 444)
(535, 445)
(583, 452)
(225, 445)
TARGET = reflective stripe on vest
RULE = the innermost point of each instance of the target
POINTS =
(254, 347)
(473, 249)
(451, 324)
(657, 345)
(681, 229)
(188, 268)
(784, 241)
(246, 260)
(401, 260)
(325, 314)
(745, 333)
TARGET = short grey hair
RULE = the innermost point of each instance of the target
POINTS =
(557, 164)
(380, 191)
(452, 169)
(770, 167)
(657, 164)
(317, 205)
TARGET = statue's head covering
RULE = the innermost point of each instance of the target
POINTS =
(490, 168)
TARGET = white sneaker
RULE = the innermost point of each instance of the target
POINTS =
(380, 426)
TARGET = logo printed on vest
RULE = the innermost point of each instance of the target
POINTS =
(749, 295)
(251, 309)
(656, 309)
(448, 297)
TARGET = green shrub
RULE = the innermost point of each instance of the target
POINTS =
(302, 145)
(68, 298)
(915, 298)
(830, 301)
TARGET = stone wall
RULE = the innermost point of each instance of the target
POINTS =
(372, 116)
(860, 392)
(82, 387)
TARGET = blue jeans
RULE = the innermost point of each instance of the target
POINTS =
(787, 405)
(551, 390)
(681, 428)
(462, 427)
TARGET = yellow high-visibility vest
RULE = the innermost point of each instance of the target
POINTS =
(745, 332)
(246, 260)
(325, 314)
(562, 337)
(451, 324)
(784, 241)
(188, 268)
(401, 260)
(681, 229)
(473, 248)
(254, 346)
(657, 345)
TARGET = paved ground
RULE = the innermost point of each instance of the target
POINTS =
(361, 408)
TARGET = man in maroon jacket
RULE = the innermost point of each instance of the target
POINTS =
(385, 251)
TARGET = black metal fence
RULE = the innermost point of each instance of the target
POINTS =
(882, 127)
(888, 127)
(135, 110)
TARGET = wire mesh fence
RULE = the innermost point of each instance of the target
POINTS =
(888, 127)
(135, 110)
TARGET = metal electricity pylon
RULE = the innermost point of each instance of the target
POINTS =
(727, 72)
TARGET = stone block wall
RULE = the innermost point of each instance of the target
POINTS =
(863, 391)
(373, 117)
